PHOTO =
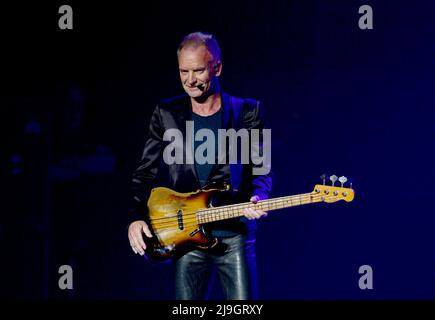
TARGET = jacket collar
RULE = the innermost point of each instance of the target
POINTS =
(186, 109)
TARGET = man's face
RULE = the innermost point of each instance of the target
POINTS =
(197, 72)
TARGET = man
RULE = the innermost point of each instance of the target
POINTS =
(200, 66)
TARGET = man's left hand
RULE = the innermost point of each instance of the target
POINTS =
(251, 213)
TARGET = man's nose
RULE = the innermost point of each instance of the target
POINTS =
(191, 78)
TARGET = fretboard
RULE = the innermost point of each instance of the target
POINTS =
(236, 210)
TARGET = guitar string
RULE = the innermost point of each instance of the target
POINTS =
(192, 219)
(188, 217)
(189, 224)
(238, 206)
(232, 206)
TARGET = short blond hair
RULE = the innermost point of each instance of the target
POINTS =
(197, 39)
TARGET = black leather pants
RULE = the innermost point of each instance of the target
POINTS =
(235, 265)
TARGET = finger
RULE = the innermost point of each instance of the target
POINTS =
(139, 241)
(249, 213)
(130, 240)
(256, 214)
(133, 238)
(133, 248)
(262, 213)
(134, 241)
(246, 213)
(133, 244)
(147, 231)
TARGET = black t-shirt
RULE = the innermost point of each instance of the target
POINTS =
(212, 123)
(224, 228)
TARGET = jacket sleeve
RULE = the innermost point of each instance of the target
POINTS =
(260, 149)
(144, 176)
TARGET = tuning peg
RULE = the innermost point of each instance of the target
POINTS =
(343, 180)
(323, 177)
(333, 178)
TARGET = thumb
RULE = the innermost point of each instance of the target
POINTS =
(254, 199)
(146, 230)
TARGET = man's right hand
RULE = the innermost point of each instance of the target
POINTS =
(135, 231)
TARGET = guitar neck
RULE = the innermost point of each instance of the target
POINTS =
(236, 210)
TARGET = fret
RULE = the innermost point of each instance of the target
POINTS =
(236, 210)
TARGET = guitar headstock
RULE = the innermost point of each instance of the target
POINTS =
(331, 193)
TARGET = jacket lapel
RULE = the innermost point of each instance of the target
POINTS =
(231, 107)
(182, 114)
(227, 111)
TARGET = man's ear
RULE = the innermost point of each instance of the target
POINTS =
(217, 68)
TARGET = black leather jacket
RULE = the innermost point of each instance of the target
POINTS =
(173, 113)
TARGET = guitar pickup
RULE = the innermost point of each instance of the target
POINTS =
(180, 220)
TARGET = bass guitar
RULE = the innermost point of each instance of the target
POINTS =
(177, 220)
